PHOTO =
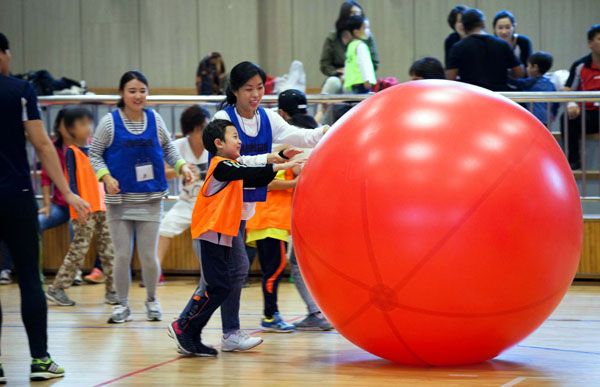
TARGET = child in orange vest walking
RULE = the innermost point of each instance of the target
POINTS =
(82, 180)
(216, 220)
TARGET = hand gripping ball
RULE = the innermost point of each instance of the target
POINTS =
(437, 224)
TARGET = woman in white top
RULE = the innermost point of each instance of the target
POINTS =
(258, 129)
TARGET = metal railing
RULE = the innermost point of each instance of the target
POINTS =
(169, 105)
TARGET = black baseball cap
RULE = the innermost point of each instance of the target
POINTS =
(3, 42)
(292, 102)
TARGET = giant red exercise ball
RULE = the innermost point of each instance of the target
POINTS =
(437, 224)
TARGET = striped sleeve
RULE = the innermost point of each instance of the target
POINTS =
(103, 137)
(171, 154)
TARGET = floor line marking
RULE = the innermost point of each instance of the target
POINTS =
(157, 365)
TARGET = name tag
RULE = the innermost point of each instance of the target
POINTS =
(144, 172)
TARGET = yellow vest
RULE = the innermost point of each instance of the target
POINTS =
(352, 75)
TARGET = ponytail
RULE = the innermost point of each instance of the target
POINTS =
(230, 98)
(58, 138)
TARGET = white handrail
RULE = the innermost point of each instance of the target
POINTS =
(557, 96)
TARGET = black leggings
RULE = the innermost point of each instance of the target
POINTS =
(19, 230)
(592, 125)
(271, 254)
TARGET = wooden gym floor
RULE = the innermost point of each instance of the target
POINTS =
(565, 351)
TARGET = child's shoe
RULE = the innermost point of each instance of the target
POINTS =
(111, 298)
(239, 341)
(276, 324)
(58, 296)
(313, 322)
(77, 281)
(95, 277)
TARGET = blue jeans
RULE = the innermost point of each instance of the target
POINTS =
(238, 266)
(58, 215)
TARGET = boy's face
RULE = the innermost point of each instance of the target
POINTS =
(82, 129)
(594, 44)
(361, 33)
(533, 69)
(231, 146)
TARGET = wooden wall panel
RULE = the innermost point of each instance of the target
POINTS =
(392, 23)
(111, 40)
(169, 42)
(52, 37)
(11, 25)
(563, 28)
(589, 266)
(231, 28)
(431, 27)
(275, 39)
(312, 20)
(181, 258)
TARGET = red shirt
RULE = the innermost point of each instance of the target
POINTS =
(585, 76)
(57, 197)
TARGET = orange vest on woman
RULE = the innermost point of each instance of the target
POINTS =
(220, 212)
(276, 212)
(88, 186)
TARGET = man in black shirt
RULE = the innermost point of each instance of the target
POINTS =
(481, 59)
(19, 121)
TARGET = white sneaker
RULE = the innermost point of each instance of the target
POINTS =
(153, 311)
(120, 314)
(77, 281)
(5, 278)
(239, 341)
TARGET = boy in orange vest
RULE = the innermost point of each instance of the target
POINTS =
(82, 180)
(215, 222)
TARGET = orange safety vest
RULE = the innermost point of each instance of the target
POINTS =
(88, 186)
(276, 212)
(220, 212)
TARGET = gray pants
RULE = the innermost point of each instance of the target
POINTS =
(301, 286)
(146, 236)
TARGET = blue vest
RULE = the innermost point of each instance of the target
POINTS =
(252, 146)
(129, 151)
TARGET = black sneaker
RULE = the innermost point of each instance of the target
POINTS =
(45, 369)
(203, 350)
(2, 377)
(185, 342)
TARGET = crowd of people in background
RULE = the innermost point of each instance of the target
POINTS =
(110, 187)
